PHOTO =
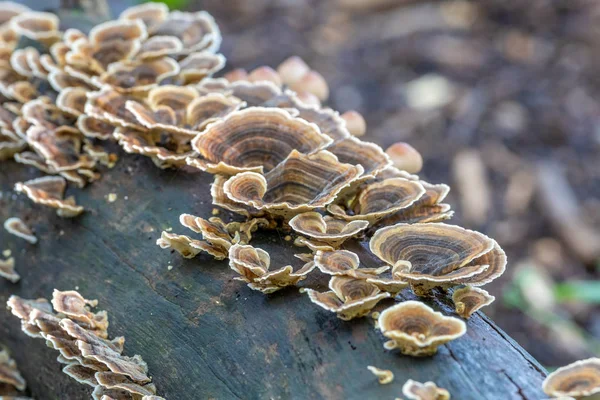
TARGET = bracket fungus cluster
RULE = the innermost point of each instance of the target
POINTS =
(69, 325)
(578, 380)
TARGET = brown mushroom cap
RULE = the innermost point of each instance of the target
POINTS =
(118, 30)
(40, 26)
(10, 9)
(438, 254)
(197, 31)
(326, 229)
(298, 184)
(354, 151)
(424, 391)
(74, 306)
(257, 137)
(7, 270)
(9, 374)
(18, 228)
(159, 46)
(81, 374)
(579, 379)
(198, 66)
(49, 191)
(416, 329)
(355, 123)
(220, 199)
(138, 76)
(467, 300)
(378, 200)
(344, 262)
(108, 106)
(349, 297)
(111, 380)
(72, 100)
(405, 157)
(151, 14)
(254, 93)
(188, 247)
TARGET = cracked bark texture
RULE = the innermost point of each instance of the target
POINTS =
(204, 335)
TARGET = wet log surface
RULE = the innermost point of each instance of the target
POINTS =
(204, 335)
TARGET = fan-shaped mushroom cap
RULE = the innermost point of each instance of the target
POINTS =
(292, 70)
(49, 191)
(10, 144)
(18, 228)
(467, 300)
(349, 297)
(40, 26)
(74, 306)
(438, 253)
(159, 46)
(298, 184)
(220, 199)
(9, 373)
(81, 374)
(138, 76)
(344, 262)
(255, 93)
(329, 121)
(253, 266)
(377, 200)
(197, 31)
(393, 283)
(198, 66)
(424, 391)
(151, 14)
(416, 329)
(94, 58)
(60, 147)
(257, 138)
(108, 105)
(72, 100)
(579, 379)
(188, 247)
(94, 128)
(110, 380)
(10, 9)
(118, 30)
(326, 229)
(354, 151)
(43, 113)
(60, 80)
(18, 61)
(7, 270)
(312, 82)
(385, 376)
(22, 309)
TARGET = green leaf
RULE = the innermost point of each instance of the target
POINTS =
(581, 291)
(173, 4)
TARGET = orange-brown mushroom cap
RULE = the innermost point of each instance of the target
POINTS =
(424, 391)
(326, 229)
(9, 374)
(416, 330)
(49, 191)
(468, 300)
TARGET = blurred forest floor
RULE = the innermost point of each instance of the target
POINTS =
(501, 97)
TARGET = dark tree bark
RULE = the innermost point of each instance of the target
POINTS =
(204, 335)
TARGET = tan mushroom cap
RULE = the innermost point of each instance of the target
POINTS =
(138, 76)
(579, 379)
(40, 26)
(9, 374)
(438, 254)
(355, 123)
(91, 58)
(108, 106)
(197, 31)
(94, 128)
(43, 113)
(354, 151)
(60, 80)
(18, 61)
(151, 14)
(188, 247)
(385, 376)
(74, 306)
(424, 391)
(198, 66)
(292, 70)
(159, 46)
(220, 199)
(253, 266)
(49, 191)
(349, 297)
(9, 9)
(416, 330)
(378, 200)
(313, 245)
(61, 147)
(258, 138)
(344, 262)
(7, 270)
(298, 184)
(254, 93)
(72, 100)
(81, 374)
(329, 121)
(10, 144)
(393, 283)
(467, 300)
(110, 380)
(17, 227)
(118, 30)
(326, 229)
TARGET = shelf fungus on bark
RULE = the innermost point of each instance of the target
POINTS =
(22, 309)
(253, 93)
(136, 76)
(10, 144)
(160, 46)
(416, 329)
(220, 199)
(7, 270)
(390, 282)
(49, 191)
(469, 299)
(344, 263)
(197, 31)
(298, 184)
(9, 373)
(354, 151)
(348, 297)
(375, 201)
(17, 227)
(151, 14)
(253, 266)
(188, 247)
(73, 305)
(256, 139)
(39, 26)
(385, 376)
(578, 380)
(108, 106)
(439, 255)
(326, 229)
(197, 66)
(424, 391)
